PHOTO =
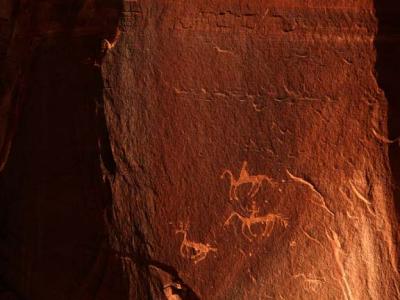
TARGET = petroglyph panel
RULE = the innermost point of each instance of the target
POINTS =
(279, 96)
(121, 117)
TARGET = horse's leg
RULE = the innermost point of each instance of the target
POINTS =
(182, 251)
(244, 226)
(268, 227)
(196, 256)
(251, 191)
(231, 193)
(282, 220)
(256, 189)
(201, 257)
(235, 193)
(189, 252)
(269, 180)
(251, 232)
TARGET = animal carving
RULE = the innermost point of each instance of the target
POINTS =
(107, 45)
(191, 250)
(245, 178)
(268, 221)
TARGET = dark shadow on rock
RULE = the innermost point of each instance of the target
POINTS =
(53, 192)
(387, 44)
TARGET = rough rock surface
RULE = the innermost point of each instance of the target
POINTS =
(199, 149)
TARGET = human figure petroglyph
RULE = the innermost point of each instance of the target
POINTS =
(192, 250)
(244, 177)
(268, 221)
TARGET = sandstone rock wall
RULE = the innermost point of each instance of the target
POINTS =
(199, 150)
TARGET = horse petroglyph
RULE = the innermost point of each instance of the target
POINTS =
(191, 250)
(268, 221)
(245, 178)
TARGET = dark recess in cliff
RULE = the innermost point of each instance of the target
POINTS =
(53, 235)
(387, 45)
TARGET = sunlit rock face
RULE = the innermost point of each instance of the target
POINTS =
(199, 150)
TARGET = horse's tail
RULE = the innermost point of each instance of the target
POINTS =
(227, 173)
(282, 220)
(227, 222)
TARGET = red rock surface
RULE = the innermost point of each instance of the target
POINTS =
(199, 150)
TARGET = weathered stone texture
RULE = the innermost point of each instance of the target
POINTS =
(198, 149)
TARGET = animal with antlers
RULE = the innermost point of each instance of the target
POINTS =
(192, 250)
(244, 177)
(268, 221)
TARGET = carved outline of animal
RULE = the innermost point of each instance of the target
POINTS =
(253, 219)
(244, 177)
(201, 250)
(107, 45)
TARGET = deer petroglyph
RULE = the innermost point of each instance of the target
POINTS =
(268, 221)
(244, 178)
(192, 250)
